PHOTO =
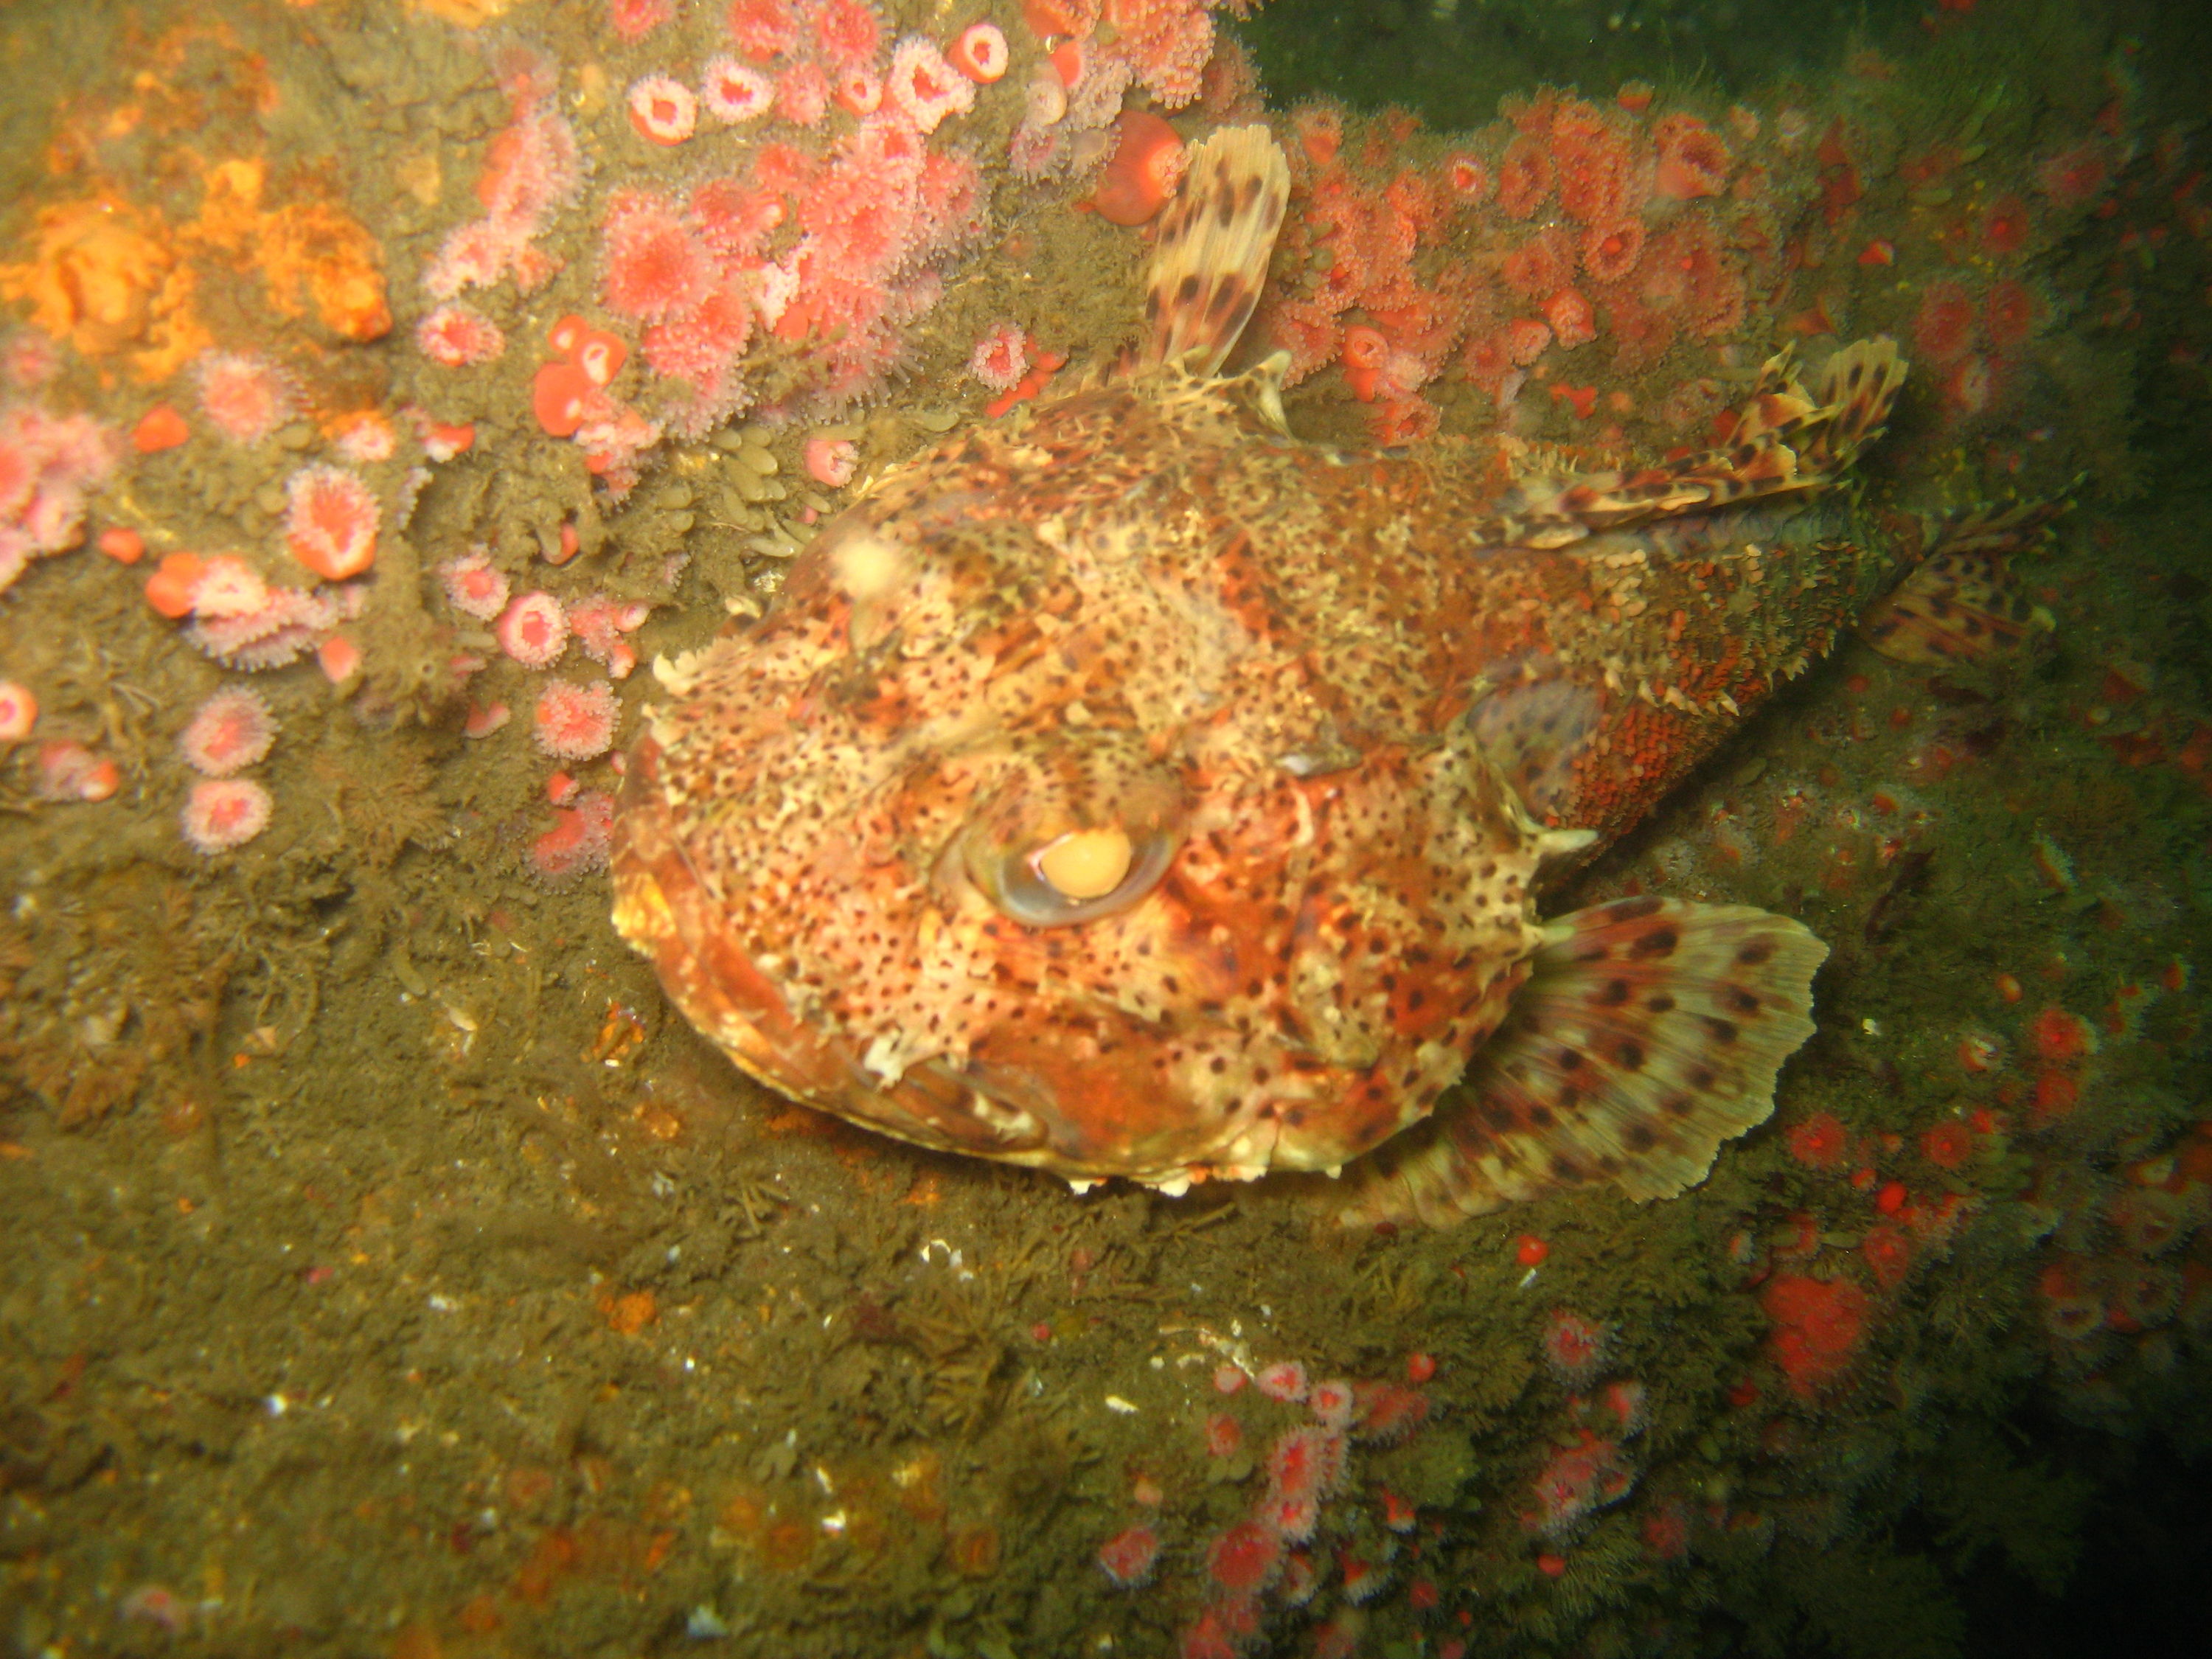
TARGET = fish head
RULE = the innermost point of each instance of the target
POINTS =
(1024, 841)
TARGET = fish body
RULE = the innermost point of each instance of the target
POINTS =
(1132, 790)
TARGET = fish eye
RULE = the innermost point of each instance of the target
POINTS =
(1086, 864)
(1059, 834)
(1079, 876)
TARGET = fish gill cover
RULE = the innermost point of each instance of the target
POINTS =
(390, 1270)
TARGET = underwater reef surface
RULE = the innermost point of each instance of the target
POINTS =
(386, 1268)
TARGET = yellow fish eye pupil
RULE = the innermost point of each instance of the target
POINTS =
(1085, 863)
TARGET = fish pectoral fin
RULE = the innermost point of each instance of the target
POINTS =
(1786, 440)
(1648, 1031)
(1962, 605)
(1533, 734)
(1959, 608)
(1215, 239)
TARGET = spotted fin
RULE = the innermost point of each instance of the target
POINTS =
(1962, 603)
(1533, 734)
(1214, 242)
(1786, 440)
(1650, 1030)
(1857, 389)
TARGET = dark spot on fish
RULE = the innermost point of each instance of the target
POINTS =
(1541, 1116)
(1723, 1030)
(1629, 1055)
(1634, 909)
(1740, 999)
(1641, 1137)
(1614, 993)
(1186, 289)
(1677, 1105)
(1568, 1060)
(1702, 1078)
(1565, 1168)
(1659, 942)
(1757, 951)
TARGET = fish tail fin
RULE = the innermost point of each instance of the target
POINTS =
(1215, 239)
(1785, 440)
(1963, 604)
(1648, 1031)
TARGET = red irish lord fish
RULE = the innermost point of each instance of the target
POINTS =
(1130, 789)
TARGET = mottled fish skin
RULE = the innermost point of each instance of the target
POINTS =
(1342, 709)
(1146, 593)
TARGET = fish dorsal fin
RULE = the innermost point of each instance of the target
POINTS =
(1214, 242)
(1857, 386)
(1786, 441)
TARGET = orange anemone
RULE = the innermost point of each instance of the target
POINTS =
(1146, 167)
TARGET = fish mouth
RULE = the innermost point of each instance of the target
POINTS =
(1005, 1113)
(1018, 1118)
(1029, 1126)
(987, 1113)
